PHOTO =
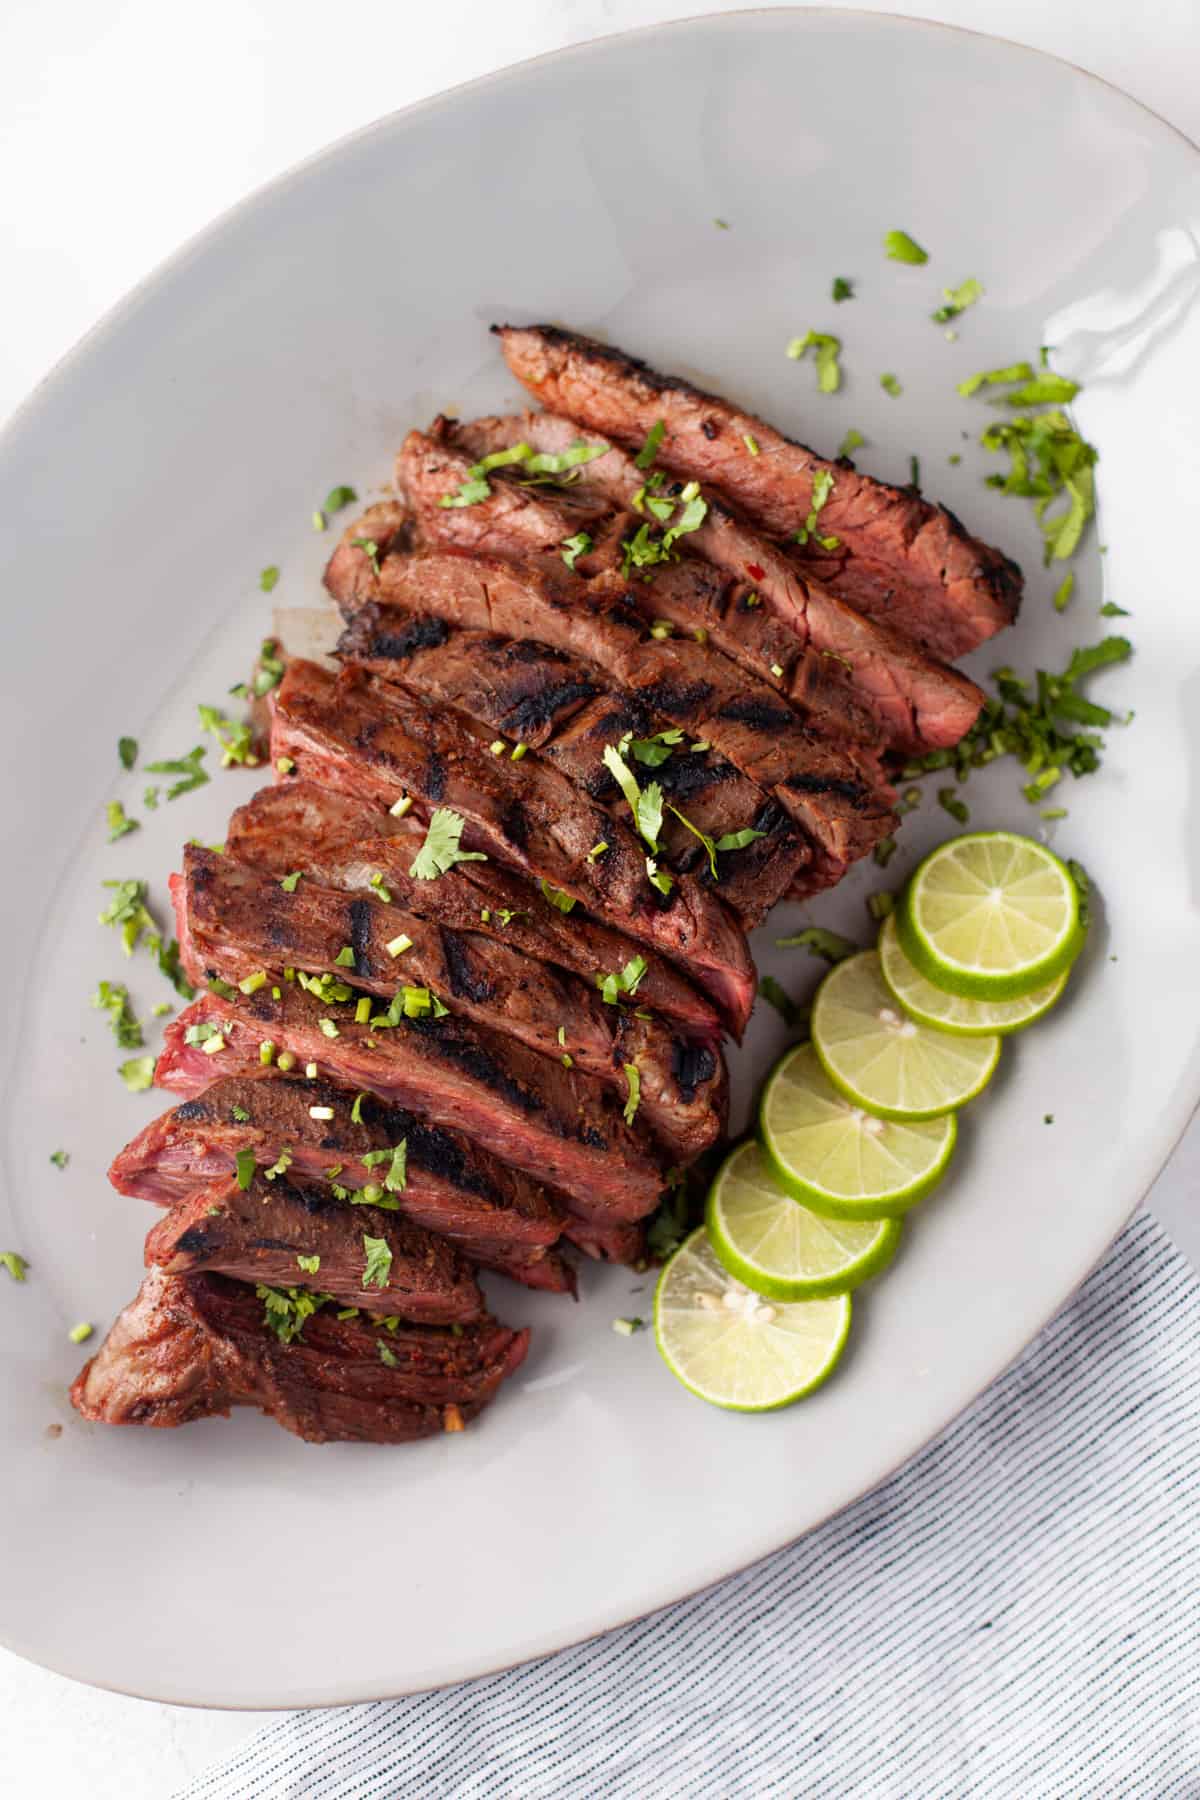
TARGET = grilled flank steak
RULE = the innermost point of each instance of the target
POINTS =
(900, 558)
(189, 1347)
(235, 923)
(260, 1232)
(365, 737)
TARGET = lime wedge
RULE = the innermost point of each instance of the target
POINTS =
(885, 1062)
(839, 1159)
(776, 1246)
(735, 1349)
(990, 916)
(928, 1005)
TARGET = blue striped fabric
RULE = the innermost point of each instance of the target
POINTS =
(1012, 1617)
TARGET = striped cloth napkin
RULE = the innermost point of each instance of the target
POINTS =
(1012, 1617)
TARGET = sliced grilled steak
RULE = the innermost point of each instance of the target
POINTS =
(259, 1234)
(901, 558)
(519, 1106)
(703, 597)
(366, 737)
(344, 843)
(624, 1243)
(490, 678)
(189, 1347)
(835, 793)
(236, 922)
(775, 613)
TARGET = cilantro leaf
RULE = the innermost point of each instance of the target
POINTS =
(377, 1266)
(622, 981)
(235, 738)
(309, 1264)
(891, 385)
(777, 996)
(112, 997)
(902, 248)
(843, 288)
(649, 450)
(289, 882)
(650, 826)
(827, 349)
(853, 440)
(957, 301)
(440, 852)
(60, 1158)
(245, 1163)
(268, 577)
(370, 548)
(1018, 371)
(1062, 594)
(127, 749)
(575, 547)
(565, 903)
(822, 487)
(338, 497)
(386, 1356)
(193, 776)
(137, 1073)
(119, 825)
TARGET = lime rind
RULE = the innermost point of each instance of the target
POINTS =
(885, 1062)
(781, 1248)
(837, 1158)
(953, 1013)
(752, 1356)
(990, 915)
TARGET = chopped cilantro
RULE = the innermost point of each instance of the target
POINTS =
(239, 1114)
(958, 809)
(657, 877)
(370, 550)
(318, 519)
(880, 904)
(137, 1073)
(649, 450)
(575, 547)
(309, 1264)
(819, 942)
(1064, 590)
(1110, 610)
(268, 675)
(633, 1077)
(150, 799)
(827, 349)
(644, 803)
(622, 981)
(187, 767)
(843, 288)
(112, 997)
(652, 751)
(236, 739)
(627, 1327)
(822, 487)
(119, 825)
(914, 472)
(60, 1158)
(891, 385)
(378, 1262)
(777, 996)
(732, 840)
(338, 497)
(16, 1265)
(902, 248)
(286, 1311)
(440, 852)
(268, 578)
(1048, 460)
(853, 440)
(289, 882)
(345, 957)
(282, 1163)
(721, 224)
(751, 443)
(564, 903)
(884, 851)
(957, 301)
(127, 749)
(244, 1161)
(1018, 371)
(386, 1356)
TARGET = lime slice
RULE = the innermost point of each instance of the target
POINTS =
(886, 1062)
(990, 916)
(837, 1158)
(777, 1246)
(928, 1005)
(735, 1349)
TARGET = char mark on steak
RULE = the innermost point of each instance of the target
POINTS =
(369, 738)
(467, 670)
(348, 844)
(191, 1347)
(898, 557)
(517, 1105)
(237, 923)
(259, 1234)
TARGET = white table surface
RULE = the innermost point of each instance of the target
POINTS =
(127, 126)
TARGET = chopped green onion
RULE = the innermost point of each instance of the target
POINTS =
(902, 248)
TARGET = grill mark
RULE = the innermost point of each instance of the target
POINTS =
(540, 709)
(480, 1065)
(197, 1240)
(281, 934)
(683, 776)
(190, 1110)
(853, 791)
(465, 983)
(359, 912)
(397, 646)
(435, 777)
(692, 1064)
(760, 714)
(315, 1200)
(674, 697)
(515, 825)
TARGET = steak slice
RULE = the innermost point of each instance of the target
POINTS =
(519, 1106)
(900, 557)
(189, 1347)
(489, 678)
(776, 611)
(235, 923)
(259, 1233)
(343, 843)
(368, 738)
(704, 596)
(493, 1214)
